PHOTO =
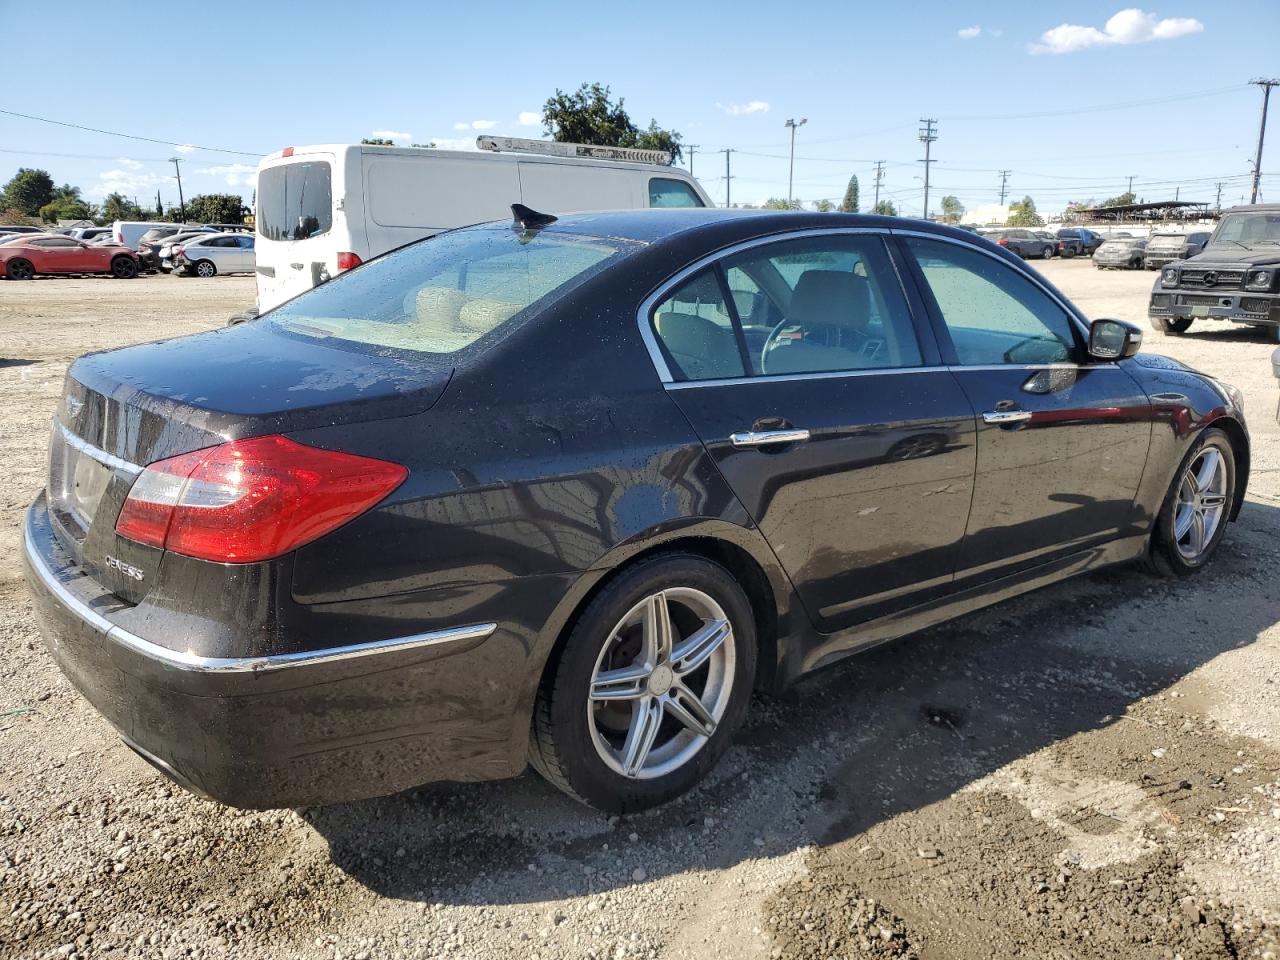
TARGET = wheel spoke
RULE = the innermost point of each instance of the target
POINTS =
(656, 629)
(1197, 531)
(693, 652)
(646, 718)
(1182, 521)
(682, 704)
(625, 683)
(1208, 471)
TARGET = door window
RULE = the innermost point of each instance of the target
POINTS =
(697, 331)
(822, 304)
(993, 314)
(664, 192)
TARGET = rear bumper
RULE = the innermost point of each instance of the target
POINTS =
(337, 724)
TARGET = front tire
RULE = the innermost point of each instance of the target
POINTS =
(124, 268)
(646, 692)
(20, 270)
(1193, 518)
(1171, 325)
(205, 269)
(1047, 253)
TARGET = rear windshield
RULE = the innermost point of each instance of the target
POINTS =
(295, 201)
(444, 293)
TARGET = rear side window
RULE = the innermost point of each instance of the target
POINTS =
(697, 331)
(993, 314)
(665, 192)
(443, 294)
(295, 201)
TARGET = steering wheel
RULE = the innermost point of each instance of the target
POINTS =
(770, 342)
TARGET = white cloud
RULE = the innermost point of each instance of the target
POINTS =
(391, 135)
(184, 148)
(1128, 26)
(968, 33)
(743, 109)
(235, 174)
(129, 164)
(475, 124)
(126, 182)
(529, 118)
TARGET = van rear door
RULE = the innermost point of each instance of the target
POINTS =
(297, 244)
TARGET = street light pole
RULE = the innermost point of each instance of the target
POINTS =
(791, 170)
(182, 205)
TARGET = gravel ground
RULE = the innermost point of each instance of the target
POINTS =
(1089, 771)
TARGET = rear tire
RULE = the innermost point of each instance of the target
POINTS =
(585, 745)
(1194, 516)
(1068, 253)
(1047, 253)
(124, 268)
(205, 269)
(1171, 325)
(20, 270)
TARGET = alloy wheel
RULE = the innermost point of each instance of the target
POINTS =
(204, 269)
(21, 270)
(662, 683)
(1202, 498)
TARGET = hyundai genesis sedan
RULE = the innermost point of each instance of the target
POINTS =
(564, 492)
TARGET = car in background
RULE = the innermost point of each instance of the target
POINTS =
(20, 228)
(150, 246)
(1172, 246)
(217, 253)
(57, 254)
(164, 252)
(1051, 240)
(1121, 253)
(127, 233)
(88, 233)
(1078, 242)
(1024, 243)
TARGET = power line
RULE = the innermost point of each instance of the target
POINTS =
(127, 136)
(1100, 108)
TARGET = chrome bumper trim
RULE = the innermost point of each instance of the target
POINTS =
(183, 660)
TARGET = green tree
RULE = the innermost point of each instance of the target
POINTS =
(952, 209)
(216, 208)
(65, 209)
(885, 208)
(12, 215)
(780, 203)
(378, 142)
(589, 115)
(1123, 200)
(28, 191)
(116, 207)
(824, 206)
(850, 202)
(1023, 214)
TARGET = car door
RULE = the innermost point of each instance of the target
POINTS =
(246, 260)
(798, 364)
(1062, 442)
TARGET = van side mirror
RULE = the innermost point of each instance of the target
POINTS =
(1113, 340)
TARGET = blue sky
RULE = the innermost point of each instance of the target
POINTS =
(862, 73)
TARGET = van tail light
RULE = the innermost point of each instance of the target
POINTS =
(287, 152)
(348, 260)
(251, 500)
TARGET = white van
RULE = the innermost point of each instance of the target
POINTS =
(127, 233)
(325, 209)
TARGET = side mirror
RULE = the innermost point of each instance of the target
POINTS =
(1113, 340)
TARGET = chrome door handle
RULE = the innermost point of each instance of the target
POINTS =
(1003, 417)
(763, 438)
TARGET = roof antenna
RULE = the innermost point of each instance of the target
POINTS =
(527, 219)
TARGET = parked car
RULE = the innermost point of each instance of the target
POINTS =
(89, 233)
(1120, 253)
(22, 260)
(1236, 277)
(516, 493)
(152, 243)
(1022, 242)
(127, 233)
(19, 228)
(164, 252)
(332, 207)
(1079, 242)
(208, 256)
(1168, 247)
(1051, 241)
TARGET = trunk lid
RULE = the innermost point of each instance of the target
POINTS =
(127, 408)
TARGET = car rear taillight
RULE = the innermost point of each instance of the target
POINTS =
(251, 500)
(177, 250)
(1061, 245)
(1002, 242)
(287, 152)
(348, 260)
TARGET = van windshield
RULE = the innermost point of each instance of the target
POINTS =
(442, 294)
(295, 201)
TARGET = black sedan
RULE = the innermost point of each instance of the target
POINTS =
(564, 492)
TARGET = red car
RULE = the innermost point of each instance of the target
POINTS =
(50, 253)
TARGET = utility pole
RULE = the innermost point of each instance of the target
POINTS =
(692, 147)
(1130, 190)
(1004, 185)
(1266, 86)
(879, 177)
(1217, 204)
(928, 134)
(791, 170)
(182, 205)
(727, 177)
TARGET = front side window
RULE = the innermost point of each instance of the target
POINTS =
(665, 192)
(444, 293)
(295, 201)
(993, 313)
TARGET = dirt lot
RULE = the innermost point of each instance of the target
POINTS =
(1089, 771)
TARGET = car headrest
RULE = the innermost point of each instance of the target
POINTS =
(701, 347)
(437, 308)
(482, 315)
(833, 298)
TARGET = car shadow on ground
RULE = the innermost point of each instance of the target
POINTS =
(890, 731)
